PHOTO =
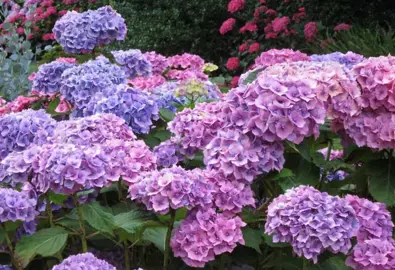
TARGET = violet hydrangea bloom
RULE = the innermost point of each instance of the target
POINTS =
(348, 59)
(312, 222)
(91, 130)
(137, 108)
(5, 267)
(374, 254)
(82, 32)
(171, 188)
(374, 219)
(203, 234)
(80, 83)
(83, 261)
(15, 205)
(241, 157)
(275, 56)
(167, 154)
(158, 62)
(19, 130)
(48, 77)
(67, 168)
(186, 66)
(133, 63)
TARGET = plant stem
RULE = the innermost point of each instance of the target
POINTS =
(11, 249)
(327, 158)
(168, 236)
(120, 189)
(305, 264)
(82, 227)
(49, 211)
(127, 257)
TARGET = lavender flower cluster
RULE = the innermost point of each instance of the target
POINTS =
(19, 130)
(167, 154)
(133, 63)
(186, 66)
(80, 83)
(311, 222)
(82, 32)
(15, 205)
(171, 188)
(203, 234)
(48, 78)
(158, 62)
(348, 59)
(275, 56)
(83, 261)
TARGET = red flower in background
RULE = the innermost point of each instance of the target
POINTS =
(233, 63)
(48, 36)
(271, 12)
(227, 26)
(342, 27)
(280, 24)
(236, 5)
(235, 81)
(300, 15)
(254, 47)
(310, 31)
(258, 11)
(250, 27)
(243, 47)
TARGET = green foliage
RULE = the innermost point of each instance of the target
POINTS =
(368, 41)
(175, 26)
(98, 218)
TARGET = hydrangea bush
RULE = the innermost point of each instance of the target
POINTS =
(144, 155)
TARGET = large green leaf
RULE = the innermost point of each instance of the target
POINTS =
(252, 238)
(382, 181)
(129, 221)
(46, 242)
(98, 217)
(166, 114)
(333, 263)
(156, 236)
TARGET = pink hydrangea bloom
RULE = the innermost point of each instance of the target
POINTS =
(227, 26)
(235, 5)
(275, 56)
(280, 24)
(143, 83)
(249, 27)
(233, 63)
(70, 60)
(254, 47)
(342, 27)
(310, 31)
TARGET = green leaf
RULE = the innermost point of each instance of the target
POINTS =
(156, 236)
(57, 198)
(218, 80)
(284, 173)
(53, 105)
(162, 135)
(97, 217)
(382, 181)
(333, 263)
(252, 76)
(129, 221)
(46, 242)
(252, 238)
(12, 226)
(151, 141)
(166, 114)
(2, 236)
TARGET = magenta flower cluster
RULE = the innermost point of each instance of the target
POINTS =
(82, 32)
(19, 130)
(15, 205)
(133, 63)
(171, 188)
(311, 222)
(185, 66)
(274, 56)
(83, 261)
(203, 234)
(158, 62)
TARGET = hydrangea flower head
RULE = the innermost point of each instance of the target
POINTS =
(197, 90)
(311, 222)
(374, 219)
(15, 205)
(19, 130)
(80, 83)
(48, 77)
(82, 32)
(186, 66)
(158, 62)
(240, 157)
(375, 254)
(91, 130)
(83, 261)
(134, 63)
(171, 188)
(146, 83)
(348, 59)
(167, 154)
(203, 234)
(275, 56)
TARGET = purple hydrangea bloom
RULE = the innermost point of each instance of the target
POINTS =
(5, 267)
(91, 130)
(82, 32)
(348, 59)
(275, 56)
(171, 188)
(374, 219)
(83, 261)
(135, 107)
(133, 63)
(15, 205)
(164, 96)
(48, 78)
(203, 234)
(19, 130)
(67, 168)
(167, 154)
(312, 222)
(185, 66)
(195, 128)
(240, 157)
(158, 62)
(374, 254)
(80, 83)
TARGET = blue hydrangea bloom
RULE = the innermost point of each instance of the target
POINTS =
(83, 261)
(15, 205)
(134, 63)
(349, 59)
